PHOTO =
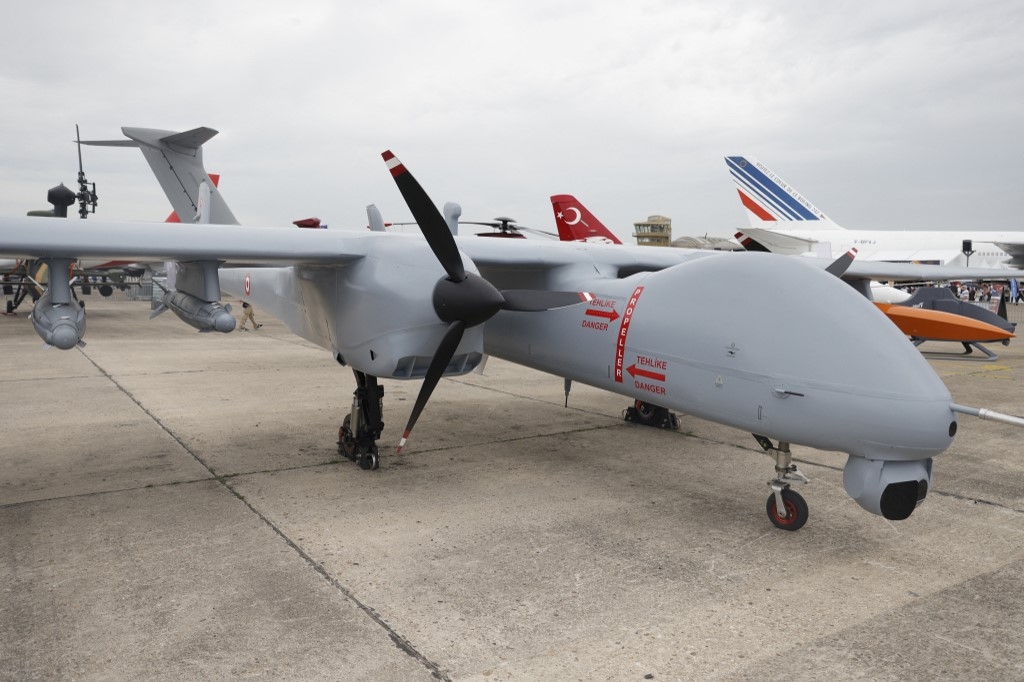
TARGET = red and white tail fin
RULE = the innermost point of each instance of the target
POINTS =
(576, 224)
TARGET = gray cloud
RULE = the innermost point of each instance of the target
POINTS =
(884, 115)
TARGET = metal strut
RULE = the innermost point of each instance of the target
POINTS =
(357, 437)
(786, 473)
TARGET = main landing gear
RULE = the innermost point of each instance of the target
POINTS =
(786, 508)
(357, 437)
(649, 414)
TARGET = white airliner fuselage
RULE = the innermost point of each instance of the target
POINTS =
(783, 221)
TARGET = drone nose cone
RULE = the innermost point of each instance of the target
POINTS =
(879, 398)
(804, 357)
(904, 428)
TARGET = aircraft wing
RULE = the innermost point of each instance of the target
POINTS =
(246, 245)
(144, 241)
(506, 263)
(776, 242)
(913, 272)
(1015, 249)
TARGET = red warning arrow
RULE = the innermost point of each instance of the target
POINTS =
(634, 372)
(610, 315)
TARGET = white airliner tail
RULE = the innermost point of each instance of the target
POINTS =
(770, 202)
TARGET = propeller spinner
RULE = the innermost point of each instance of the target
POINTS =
(462, 299)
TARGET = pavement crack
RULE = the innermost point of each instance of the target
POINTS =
(399, 640)
(184, 446)
(109, 491)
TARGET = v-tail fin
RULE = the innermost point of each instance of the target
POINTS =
(177, 161)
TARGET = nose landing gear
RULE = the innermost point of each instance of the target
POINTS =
(786, 508)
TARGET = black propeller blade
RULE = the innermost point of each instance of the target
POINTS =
(463, 299)
(841, 264)
(431, 222)
(443, 355)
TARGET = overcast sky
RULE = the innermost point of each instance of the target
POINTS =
(884, 114)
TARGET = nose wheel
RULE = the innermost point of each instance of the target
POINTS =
(794, 506)
(786, 508)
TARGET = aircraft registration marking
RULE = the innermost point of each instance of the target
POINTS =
(620, 343)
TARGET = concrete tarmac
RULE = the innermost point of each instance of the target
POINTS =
(172, 506)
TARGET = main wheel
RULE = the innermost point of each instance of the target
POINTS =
(796, 510)
(645, 413)
(369, 461)
(346, 441)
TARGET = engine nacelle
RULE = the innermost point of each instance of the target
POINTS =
(203, 315)
(890, 488)
(58, 324)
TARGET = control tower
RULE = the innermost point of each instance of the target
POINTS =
(655, 231)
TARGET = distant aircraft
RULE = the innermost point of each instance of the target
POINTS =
(784, 221)
(502, 227)
(24, 278)
(945, 322)
(825, 371)
(576, 224)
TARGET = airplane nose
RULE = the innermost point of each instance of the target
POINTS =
(836, 373)
(879, 397)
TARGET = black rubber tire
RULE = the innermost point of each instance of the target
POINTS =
(796, 510)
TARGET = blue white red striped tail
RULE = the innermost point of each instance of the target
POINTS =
(767, 198)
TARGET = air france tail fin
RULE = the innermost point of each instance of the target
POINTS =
(769, 200)
(576, 224)
(177, 162)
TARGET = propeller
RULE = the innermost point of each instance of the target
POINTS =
(462, 299)
(507, 227)
(841, 264)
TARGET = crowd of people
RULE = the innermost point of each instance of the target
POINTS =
(984, 292)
